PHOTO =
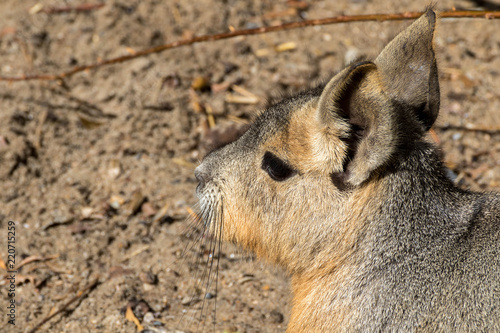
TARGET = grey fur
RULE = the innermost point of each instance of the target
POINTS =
(420, 255)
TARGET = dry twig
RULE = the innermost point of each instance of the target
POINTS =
(31, 259)
(246, 32)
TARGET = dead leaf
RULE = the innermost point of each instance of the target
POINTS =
(36, 9)
(195, 102)
(90, 123)
(200, 83)
(236, 99)
(262, 53)
(135, 202)
(238, 120)
(288, 46)
(242, 91)
(219, 87)
(52, 311)
(210, 116)
(131, 317)
(161, 213)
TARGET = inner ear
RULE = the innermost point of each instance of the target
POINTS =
(356, 98)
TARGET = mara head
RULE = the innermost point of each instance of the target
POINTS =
(297, 184)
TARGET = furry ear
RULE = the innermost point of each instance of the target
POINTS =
(373, 106)
(409, 71)
(354, 105)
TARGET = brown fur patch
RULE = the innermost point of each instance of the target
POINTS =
(242, 229)
(328, 285)
(307, 145)
(298, 138)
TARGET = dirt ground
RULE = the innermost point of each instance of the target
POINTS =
(97, 172)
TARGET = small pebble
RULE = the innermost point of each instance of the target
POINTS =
(148, 277)
(172, 81)
(276, 317)
(251, 25)
(149, 317)
(189, 300)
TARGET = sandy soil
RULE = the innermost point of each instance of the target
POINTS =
(97, 172)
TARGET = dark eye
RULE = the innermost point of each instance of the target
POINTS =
(277, 169)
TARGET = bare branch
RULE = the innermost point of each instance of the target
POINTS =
(246, 32)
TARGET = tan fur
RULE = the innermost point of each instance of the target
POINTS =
(327, 282)
(242, 228)
(302, 138)
(339, 187)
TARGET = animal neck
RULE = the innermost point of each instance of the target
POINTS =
(408, 213)
(321, 302)
(421, 206)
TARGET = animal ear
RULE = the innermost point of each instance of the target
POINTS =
(354, 107)
(409, 71)
(371, 106)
